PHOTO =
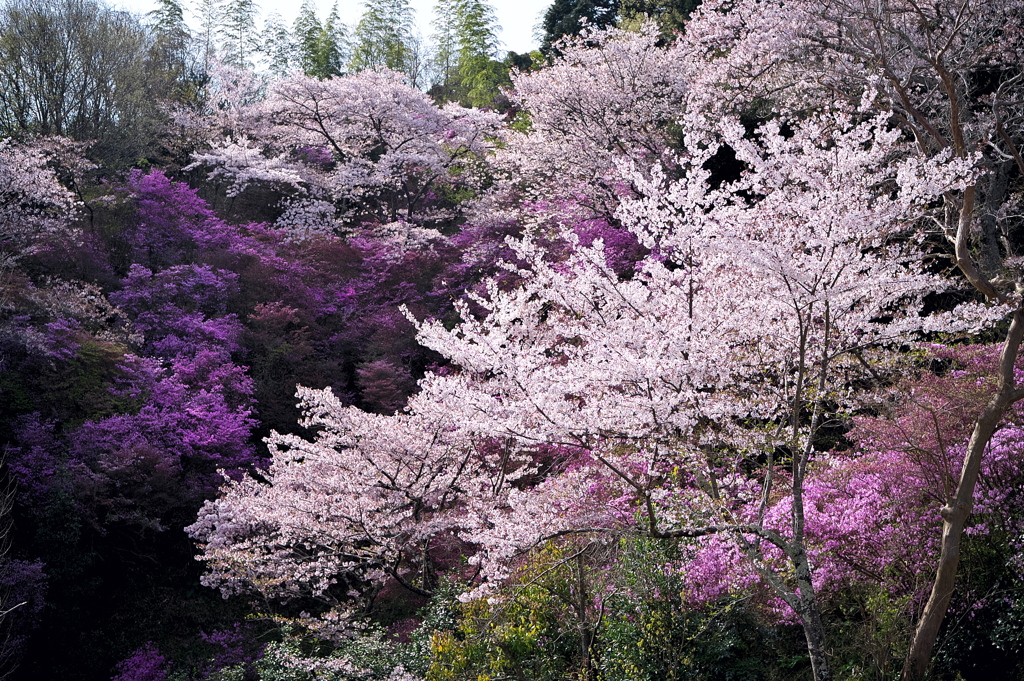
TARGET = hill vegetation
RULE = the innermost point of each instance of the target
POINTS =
(687, 348)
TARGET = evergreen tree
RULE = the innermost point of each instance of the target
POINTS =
(208, 14)
(563, 18)
(172, 56)
(417, 63)
(384, 36)
(332, 49)
(167, 22)
(480, 74)
(445, 60)
(467, 43)
(320, 47)
(307, 31)
(238, 32)
(167, 18)
(280, 46)
(478, 28)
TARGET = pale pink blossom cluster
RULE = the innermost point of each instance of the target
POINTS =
(34, 205)
(903, 57)
(380, 486)
(367, 145)
(610, 94)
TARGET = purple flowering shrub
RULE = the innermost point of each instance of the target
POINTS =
(872, 513)
(172, 224)
(145, 664)
(234, 647)
(180, 308)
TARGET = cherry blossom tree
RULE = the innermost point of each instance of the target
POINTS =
(36, 211)
(610, 94)
(689, 394)
(34, 205)
(379, 485)
(360, 148)
(737, 349)
(950, 73)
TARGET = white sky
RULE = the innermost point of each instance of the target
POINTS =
(516, 17)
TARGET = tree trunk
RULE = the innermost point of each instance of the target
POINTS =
(810, 616)
(814, 632)
(958, 508)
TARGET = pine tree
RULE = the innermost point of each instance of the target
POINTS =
(384, 36)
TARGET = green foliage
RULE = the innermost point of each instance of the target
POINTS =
(369, 655)
(84, 383)
(372, 654)
(72, 391)
(641, 628)
(482, 80)
(527, 631)
(208, 14)
(279, 44)
(650, 634)
(521, 122)
(526, 61)
(320, 48)
(466, 39)
(871, 633)
(670, 15)
(171, 48)
(983, 632)
(238, 32)
(168, 17)
(384, 37)
(520, 638)
(307, 30)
